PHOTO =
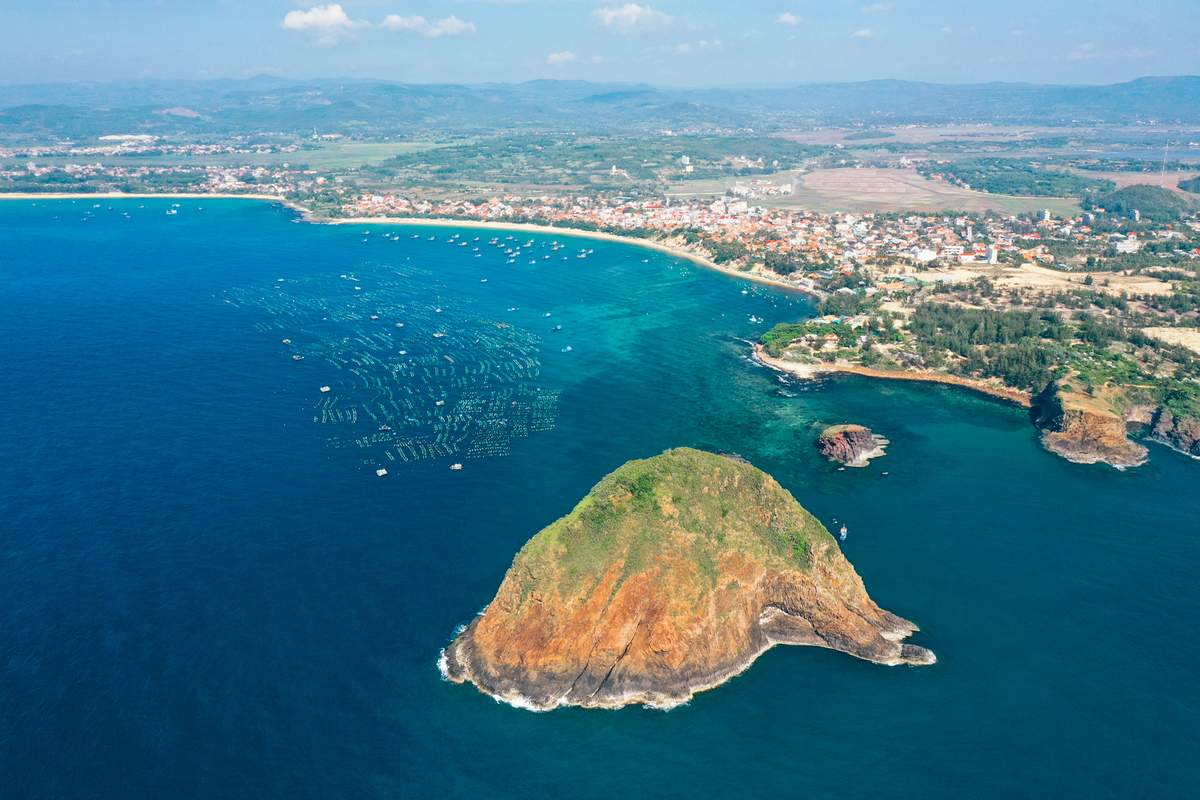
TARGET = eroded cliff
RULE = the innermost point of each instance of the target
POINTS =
(670, 577)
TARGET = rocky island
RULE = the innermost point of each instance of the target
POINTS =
(852, 445)
(669, 578)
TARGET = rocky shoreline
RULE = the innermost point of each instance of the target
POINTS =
(1072, 426)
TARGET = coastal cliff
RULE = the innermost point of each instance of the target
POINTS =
(669, 578)
(852, 445)
(1181, 433)
(1085, 431)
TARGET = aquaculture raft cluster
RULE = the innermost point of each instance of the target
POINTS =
(404, 372)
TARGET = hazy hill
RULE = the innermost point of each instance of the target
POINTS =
(264, 103)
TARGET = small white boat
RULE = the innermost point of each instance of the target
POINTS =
(324, 389)
(381, 472)
(456, 466)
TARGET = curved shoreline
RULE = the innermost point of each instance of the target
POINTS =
(1014, 396)
(140, 195)
(439, 222)
(586, 234)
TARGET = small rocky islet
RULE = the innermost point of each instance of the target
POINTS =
(673, 575)
(852, 445)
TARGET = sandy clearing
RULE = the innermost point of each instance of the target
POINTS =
(1187, 337)
(1033, 277)
(873, 189)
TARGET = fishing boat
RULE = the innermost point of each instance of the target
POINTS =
(381, 472)
(456, 466)
(567, 349)
(842, 534)
(324, 389)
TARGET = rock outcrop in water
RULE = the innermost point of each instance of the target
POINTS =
(669, 578)
(852, 445)
(1086, 432)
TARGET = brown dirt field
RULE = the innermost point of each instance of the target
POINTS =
(904, 190)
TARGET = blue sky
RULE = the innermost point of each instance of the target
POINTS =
(667, 42)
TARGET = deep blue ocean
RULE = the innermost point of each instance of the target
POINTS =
(201, 597)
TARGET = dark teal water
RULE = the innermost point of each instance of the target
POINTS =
(200, 597)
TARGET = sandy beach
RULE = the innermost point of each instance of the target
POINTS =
(449, 223)
(1014, 396)
(524, 226)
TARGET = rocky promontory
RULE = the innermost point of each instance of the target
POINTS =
(1084, 431)
(670, 577)
(852, 445)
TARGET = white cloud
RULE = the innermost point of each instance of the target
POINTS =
(395, 22)
(450, 26)
(632, 18)
(1082, 51)
(597, 59)
(1016, 33)
(947, 30)
(864, 33)
(558, 59)
(789, 19)
(876, 7)
(319, 18)
(327, 23)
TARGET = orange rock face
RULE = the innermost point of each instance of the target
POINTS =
(671, 576)
(1084, 434)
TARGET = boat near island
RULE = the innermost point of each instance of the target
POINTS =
(842, 534)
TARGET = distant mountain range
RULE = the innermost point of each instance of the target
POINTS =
(348, 106)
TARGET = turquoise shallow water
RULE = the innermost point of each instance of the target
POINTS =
(201, 597)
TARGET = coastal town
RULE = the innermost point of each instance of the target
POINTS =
(788, 243)
(1091, 320)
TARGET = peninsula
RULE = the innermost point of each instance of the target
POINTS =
(673, 575)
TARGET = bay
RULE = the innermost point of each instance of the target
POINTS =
(201, 597)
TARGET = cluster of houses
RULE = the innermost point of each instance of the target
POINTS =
(841, 239)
